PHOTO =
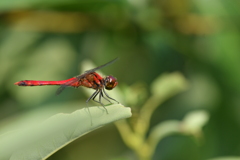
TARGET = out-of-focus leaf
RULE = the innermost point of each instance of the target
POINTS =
(168, 84)
(134, 94)
(42, 140)
(194, 121)
(162, 130)
(191, 124)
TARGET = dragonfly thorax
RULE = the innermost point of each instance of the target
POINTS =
(110, 82)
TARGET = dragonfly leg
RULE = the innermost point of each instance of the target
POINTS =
(105, 97)
(93, 96)
(100, 96)
(109, 96)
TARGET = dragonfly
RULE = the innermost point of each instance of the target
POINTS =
(89, 79)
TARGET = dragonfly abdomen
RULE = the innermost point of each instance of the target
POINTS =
(41, 83)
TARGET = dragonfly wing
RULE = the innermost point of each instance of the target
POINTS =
(104, 65)
(60, 89)
(70, 83)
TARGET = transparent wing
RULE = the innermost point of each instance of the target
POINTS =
(69, 83)
(99, 67)
(60, 89)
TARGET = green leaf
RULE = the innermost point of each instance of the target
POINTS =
(163, 130)
(192, 124)
(42, 140)
(194, 121)
(169, 84)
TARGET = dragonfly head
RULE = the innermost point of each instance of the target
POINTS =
(110, 82)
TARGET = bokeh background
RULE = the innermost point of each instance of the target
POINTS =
(51, 40)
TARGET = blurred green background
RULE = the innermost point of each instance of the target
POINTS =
(50, 40)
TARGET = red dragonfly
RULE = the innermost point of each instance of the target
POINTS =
(89, 79)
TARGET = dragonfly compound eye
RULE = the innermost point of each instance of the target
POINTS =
(110, 82)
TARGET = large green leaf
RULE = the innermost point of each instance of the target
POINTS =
(42, 140)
